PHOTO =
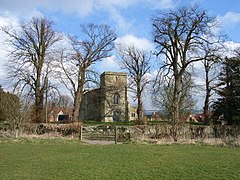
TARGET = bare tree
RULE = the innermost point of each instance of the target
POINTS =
(137, 63)
(162, 95)
(210, 63)
(30, 58)
(62, 101)
(237, 52)
(97, 44)
(178, 35)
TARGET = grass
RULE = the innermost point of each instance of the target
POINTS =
(59, 159)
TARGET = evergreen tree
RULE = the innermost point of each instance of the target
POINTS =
(9, 107)
(228, 104)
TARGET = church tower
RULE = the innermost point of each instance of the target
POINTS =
(114, 101)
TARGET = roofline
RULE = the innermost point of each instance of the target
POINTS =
(114, 73)
(92, 90)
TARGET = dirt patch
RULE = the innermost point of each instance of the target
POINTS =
(98, 142)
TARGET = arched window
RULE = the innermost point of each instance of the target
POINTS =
(116, 98)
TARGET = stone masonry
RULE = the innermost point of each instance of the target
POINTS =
(109, 103)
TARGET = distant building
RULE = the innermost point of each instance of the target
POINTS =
(109, 103)
(132, 113)
(198, 118)
(153, 116)
(58, 114)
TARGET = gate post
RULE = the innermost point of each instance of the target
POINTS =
(80, 132)
(115, 135)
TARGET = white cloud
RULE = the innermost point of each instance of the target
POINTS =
(116, 3)
(160, 4)
(3, 56)
(230, 48)
(108, 64)
(80, 7)
(230, 19)
(5, 20)
(140, 43)
(231, 45)
(198, 65)
(200, 81)
(121, 22)
(23, 8)
(163, 4)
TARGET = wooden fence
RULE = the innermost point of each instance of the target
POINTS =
(104, 133)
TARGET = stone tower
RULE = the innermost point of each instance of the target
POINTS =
(114, 102)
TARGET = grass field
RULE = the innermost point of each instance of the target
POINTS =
(46, 159)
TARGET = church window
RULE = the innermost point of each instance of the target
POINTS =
(116, 98)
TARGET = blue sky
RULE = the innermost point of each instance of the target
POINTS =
(130, 18)
(127, 16)
(133, 16)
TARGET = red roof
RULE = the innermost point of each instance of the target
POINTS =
(199, 117)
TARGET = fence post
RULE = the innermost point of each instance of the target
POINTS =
(16, 133)
(129, 135)
(115, 135)
(80, 132)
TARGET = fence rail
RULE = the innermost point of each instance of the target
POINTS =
(127, 133)
(105, 133)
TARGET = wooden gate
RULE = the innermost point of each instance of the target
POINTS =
(105, 133)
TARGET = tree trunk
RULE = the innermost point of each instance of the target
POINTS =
(206, 107)
(175, 107)
(78, 98)
(38, 98)
(207, 96)
(140, 110)
(76, 108)
(139, 103)
(38, 107)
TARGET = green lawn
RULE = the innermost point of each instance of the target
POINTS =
(73, 160)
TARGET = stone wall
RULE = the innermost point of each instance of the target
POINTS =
(91, 105)
(157, 134)
(184, 132)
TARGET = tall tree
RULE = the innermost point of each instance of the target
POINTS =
(178, 35)
(228, 104)
(30, 58)
(9, 108)
(137, 63)
(210, 63)
(162, 96)
(96, 44)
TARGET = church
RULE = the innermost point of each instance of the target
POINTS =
(108, 103)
